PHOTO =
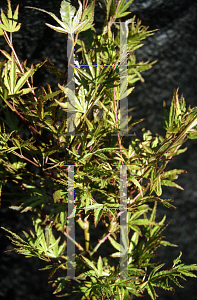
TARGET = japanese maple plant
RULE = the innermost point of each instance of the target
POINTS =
(84, 173)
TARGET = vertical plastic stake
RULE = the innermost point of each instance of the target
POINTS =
(71, 86)
(123, 223)
(71, 225)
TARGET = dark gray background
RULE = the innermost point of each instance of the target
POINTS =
(175, 48)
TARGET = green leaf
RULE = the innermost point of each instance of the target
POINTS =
(171, 183)
(5, 25)
(165, 243)
(90, 264)
(100, 266)
(134, 242)
(151, 291)
(63, 25)
(88, 60)
(14, 234)
(121, 9)
(10, 24)
(63, 219)
(187, 273)
(134, 180)
(83, 73)
(12, 74)
(172, 173)
(67, 11)
(57, 195)
(1, 30)
(177, 260)
(88, 16)
(77, 18)
(158, 189)
(116, 245)
(58, 29)
(163, 285)
(97, 216)
(22, 80)
(174, 279)
(141, 222)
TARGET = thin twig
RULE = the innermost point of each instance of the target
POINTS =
(77, 244)
(100, 242)
(21, 156)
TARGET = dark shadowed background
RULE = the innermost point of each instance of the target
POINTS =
(175, 48)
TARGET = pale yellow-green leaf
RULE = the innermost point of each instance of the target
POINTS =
(88, 60)
(23, 79)
(63, 24)
(77, 18)
(134, 242)
(91, 142)
(90, 264)
(5, 78)
(137, 184)
(67, 11)
(9, 10)
(127, 93)
(114, 243)
(15, 17)
(13, 74)
(75, 104)
(90, 126)
(85, 26)
(27, 90)
(5, 25)
(115, 254)
(63, 88)
(6, 54)
(79, 27)
(58, 29)
(100, 266)
(42, 241)
(72, 215)
(82, 93)
(10, 23)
